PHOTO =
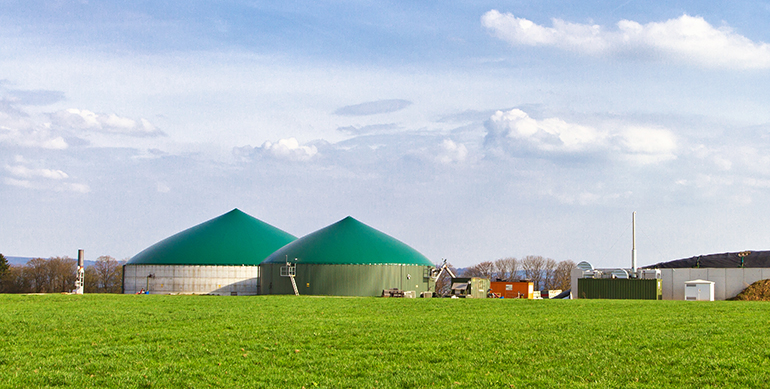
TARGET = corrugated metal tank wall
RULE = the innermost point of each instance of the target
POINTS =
(344, 280)
(190, 279)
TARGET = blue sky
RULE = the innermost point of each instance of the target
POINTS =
(469, 130)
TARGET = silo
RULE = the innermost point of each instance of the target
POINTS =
(220, 256)
(347, 258)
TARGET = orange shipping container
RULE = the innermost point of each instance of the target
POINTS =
(512, 290)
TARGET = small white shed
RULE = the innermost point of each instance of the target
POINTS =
(699, 290)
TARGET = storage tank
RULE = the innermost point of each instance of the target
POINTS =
(220, 256)
(347, 258)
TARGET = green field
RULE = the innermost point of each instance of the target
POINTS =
(295, 342)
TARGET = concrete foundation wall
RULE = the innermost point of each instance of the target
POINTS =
(727, 282)
(168, 279)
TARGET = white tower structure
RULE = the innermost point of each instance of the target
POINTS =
(81, 276)
(633, 244)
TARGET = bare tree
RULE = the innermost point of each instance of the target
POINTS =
(108, 274)
(16, 280)
(484, 269)
(506, 268)
(53, 275)
(62, 273)
(563, 275)
(91, 280)
(37, 275)
(533, 267)
(549, 273)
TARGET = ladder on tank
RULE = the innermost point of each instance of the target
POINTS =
(290, 270)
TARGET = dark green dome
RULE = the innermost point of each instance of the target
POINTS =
(348, 242)
(233, 239)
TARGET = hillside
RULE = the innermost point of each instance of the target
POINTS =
(21, 261)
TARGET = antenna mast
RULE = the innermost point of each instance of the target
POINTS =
(633, 244)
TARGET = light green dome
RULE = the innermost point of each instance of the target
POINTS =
(348, 242)
(232, 239)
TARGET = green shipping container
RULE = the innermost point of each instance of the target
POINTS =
(615, 288)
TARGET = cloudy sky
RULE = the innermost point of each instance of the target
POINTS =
(469, 130)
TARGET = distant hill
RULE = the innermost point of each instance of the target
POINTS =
(17, 260)
(21, 261)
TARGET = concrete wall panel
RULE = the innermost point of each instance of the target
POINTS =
(734, 281)
(727, 282)
(667, 281)
(751, 276)
(680, 277)
(698, 274)
(718, 276)
(222, 280)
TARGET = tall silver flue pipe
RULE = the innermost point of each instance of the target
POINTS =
(633, 244)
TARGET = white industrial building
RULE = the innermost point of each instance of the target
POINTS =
(730, 273)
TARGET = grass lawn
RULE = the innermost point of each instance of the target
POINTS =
(294, 342)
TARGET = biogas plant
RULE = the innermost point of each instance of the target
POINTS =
(237, 254)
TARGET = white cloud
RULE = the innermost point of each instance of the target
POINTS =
(19, 183)
(32, 137)
(25, 172)
(581, 37)
(687, 38)
(106, 123)
(288, 149)
(554, 136)
(550, 134)
(41, 178)
(647, 145)
(451, 152)
(43, 185)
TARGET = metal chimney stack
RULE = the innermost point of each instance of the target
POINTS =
(81, 276)
(633, 245)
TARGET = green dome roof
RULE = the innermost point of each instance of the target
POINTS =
(234, 238)
(348, 242)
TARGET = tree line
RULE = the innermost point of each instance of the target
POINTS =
(58, 274)
(545, 273)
